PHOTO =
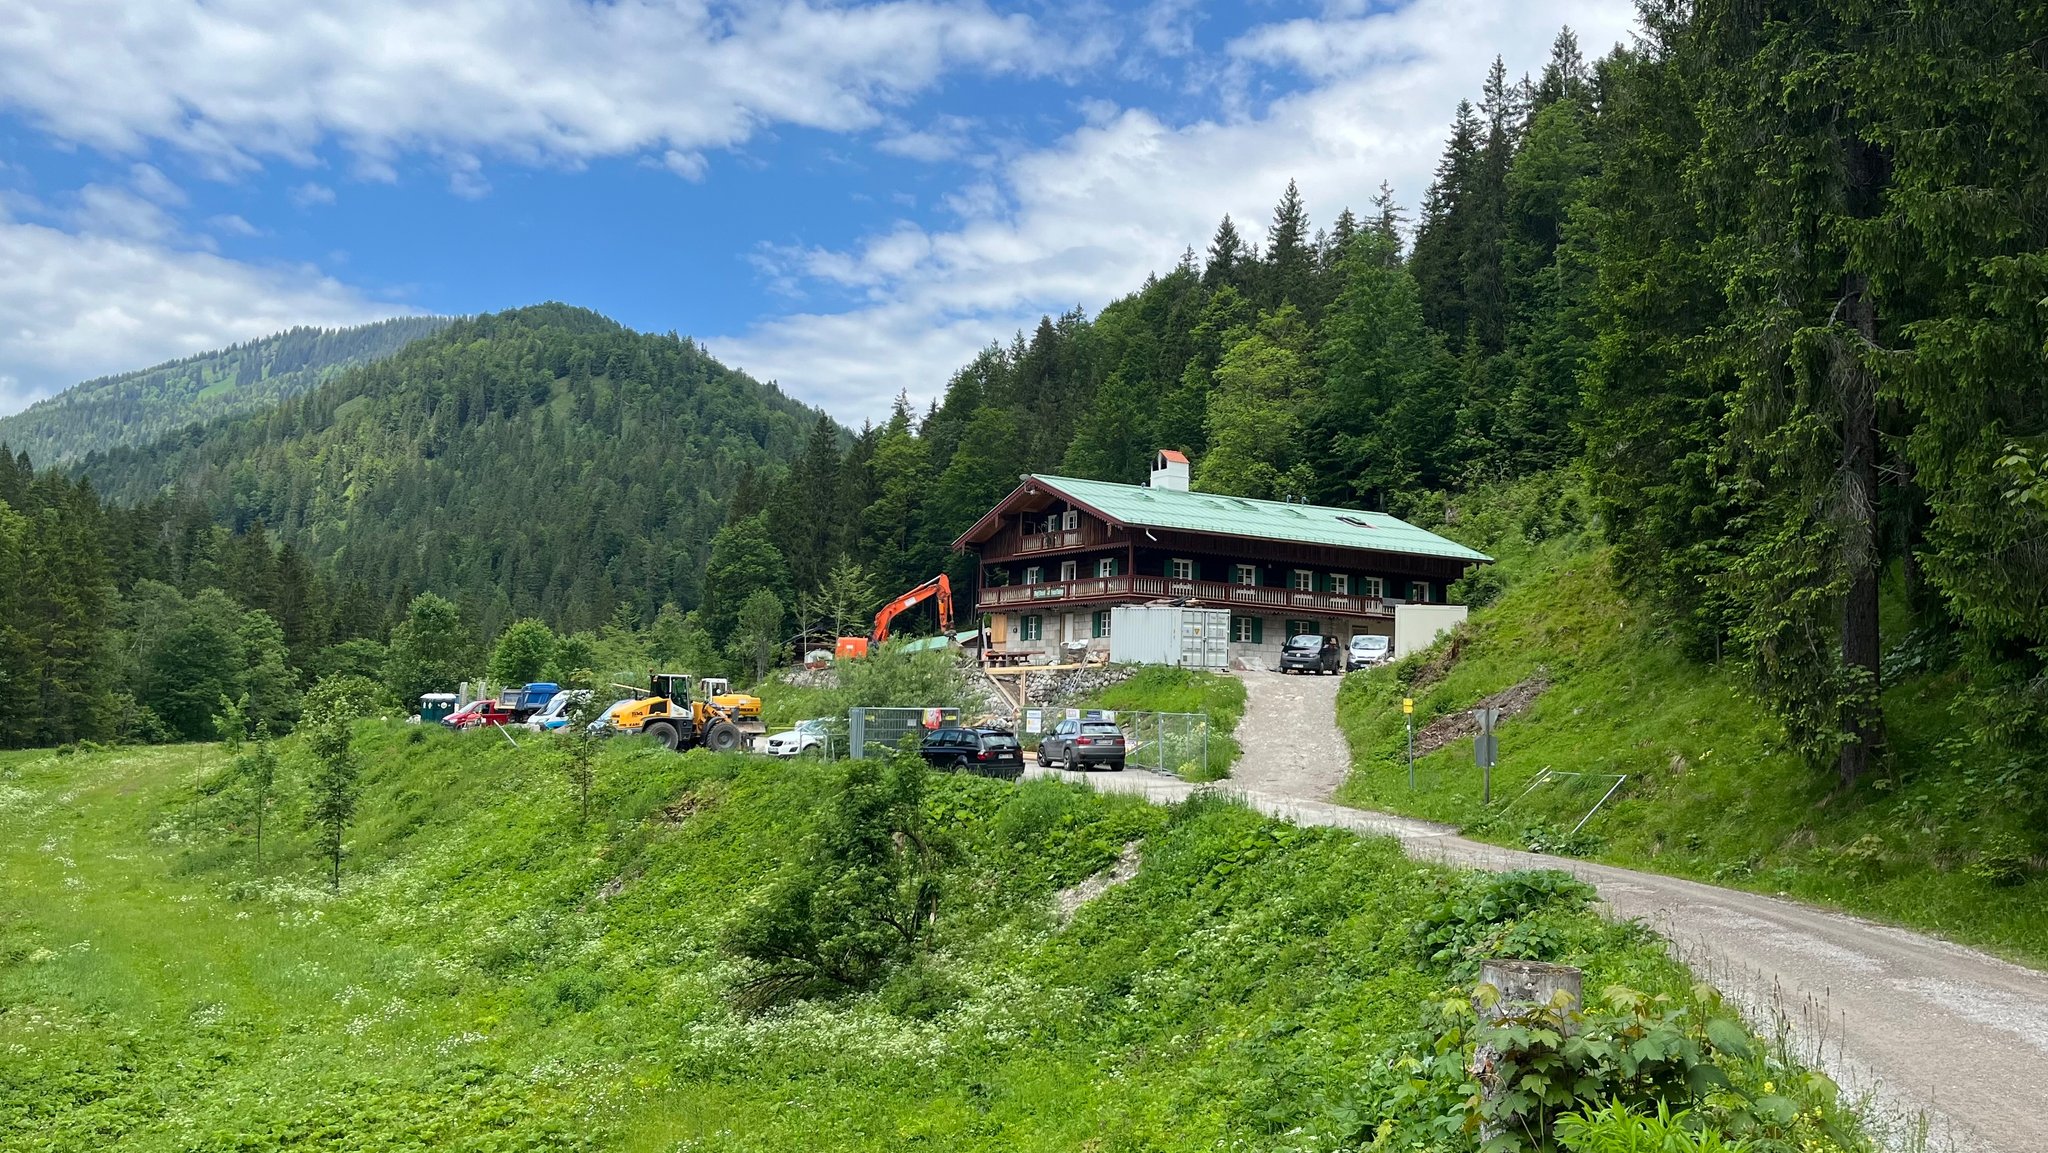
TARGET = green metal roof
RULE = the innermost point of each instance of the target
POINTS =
(1261, 519)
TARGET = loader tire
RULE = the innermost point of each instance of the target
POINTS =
(721, 737)
(664, 732)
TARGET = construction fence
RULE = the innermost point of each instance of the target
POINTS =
(886, 729)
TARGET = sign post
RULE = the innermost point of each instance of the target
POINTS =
(1486, 750)
(1408, 711)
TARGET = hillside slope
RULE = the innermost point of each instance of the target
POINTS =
(1940, 840)
(137, 407)
(496, 976)
(543, 462)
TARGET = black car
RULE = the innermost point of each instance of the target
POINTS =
(1311, 653)
(1082, 745)
(987, 752)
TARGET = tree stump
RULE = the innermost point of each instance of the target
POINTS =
(1525, 988)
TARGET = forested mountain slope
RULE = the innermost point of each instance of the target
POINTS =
(545, 461)
(137, 407)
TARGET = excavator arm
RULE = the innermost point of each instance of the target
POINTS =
(940, 585)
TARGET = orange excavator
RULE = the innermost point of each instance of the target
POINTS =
(939, 585)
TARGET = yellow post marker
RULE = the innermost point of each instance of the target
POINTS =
(1408, 714)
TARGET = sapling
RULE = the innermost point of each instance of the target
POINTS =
(334, 703)
(259, 769)
(579, 752)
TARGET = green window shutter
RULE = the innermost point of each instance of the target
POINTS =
(1115, 569)
(1194, 570)
(1258, 630)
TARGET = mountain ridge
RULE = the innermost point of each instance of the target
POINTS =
(138, 406)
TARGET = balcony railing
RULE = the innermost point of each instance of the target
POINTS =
(1087, 535)
(1215, 594)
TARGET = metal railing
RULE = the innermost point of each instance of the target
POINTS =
(1216, 593)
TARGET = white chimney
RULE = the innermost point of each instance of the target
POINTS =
(1170, 470)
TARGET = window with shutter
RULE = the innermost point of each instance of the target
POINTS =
(1418, 591)
(1106, 567)
(1069, 570)
(1246, 574)
(1032, 628)
(1340, 583)
(1241, 628)
(1180, 569)
(1102, 623)
(1304, 580)
(1372, 587)
(1070, 520)
(1034, 575)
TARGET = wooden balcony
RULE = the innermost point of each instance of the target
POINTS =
(1211, 594)
(1013, 542)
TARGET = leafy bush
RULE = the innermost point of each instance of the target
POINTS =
(862, 898)
(1497, 916)
(1620, 1129)
(1480, 587)
(1537, 1072)
(2004, 860)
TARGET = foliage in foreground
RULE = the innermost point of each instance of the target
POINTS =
(497, 973)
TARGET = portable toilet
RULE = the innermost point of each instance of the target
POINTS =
(436, 707)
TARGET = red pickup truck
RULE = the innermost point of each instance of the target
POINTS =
(478, 715)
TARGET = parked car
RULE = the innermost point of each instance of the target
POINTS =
(556, 713)
(1311, 653)
(1367, 651)
(807, 737)
(480, 714)
(986, 752)
(1083, 745)
(603, 724)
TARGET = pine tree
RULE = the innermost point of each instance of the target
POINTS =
(1441, 239)
(1227, 256)
(1289, 273)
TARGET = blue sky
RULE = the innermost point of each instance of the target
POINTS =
(848, 199)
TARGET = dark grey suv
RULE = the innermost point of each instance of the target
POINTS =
(1311, 653)
(1083, 745)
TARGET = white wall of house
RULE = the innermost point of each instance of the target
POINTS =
(1062, 626)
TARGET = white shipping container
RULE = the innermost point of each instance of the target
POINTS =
(1170, 635)
(1416, 627)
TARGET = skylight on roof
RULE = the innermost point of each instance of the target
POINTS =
(1354, 520)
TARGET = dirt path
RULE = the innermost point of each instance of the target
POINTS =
(1926, 1028)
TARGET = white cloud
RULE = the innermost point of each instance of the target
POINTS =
(74, 307)
(945, 138)
(1084, 220)
(562, 81)
(233, 225)
(311, 194)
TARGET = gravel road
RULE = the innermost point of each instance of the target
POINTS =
(1930, 1031)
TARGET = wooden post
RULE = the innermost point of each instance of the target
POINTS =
(1524, 988)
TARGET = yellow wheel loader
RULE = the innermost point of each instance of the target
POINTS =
(669, 715)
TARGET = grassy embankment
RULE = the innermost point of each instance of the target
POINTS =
(1712, 792)
(494, 975)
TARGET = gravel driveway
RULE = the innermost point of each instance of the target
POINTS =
(1926, 1028)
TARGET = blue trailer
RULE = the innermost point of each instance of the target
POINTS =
(524, 702)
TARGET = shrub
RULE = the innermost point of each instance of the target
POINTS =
(2004, 860)
(1620, 1129)
(1492, 916)
(862, 898)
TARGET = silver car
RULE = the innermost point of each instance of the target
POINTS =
(1083, 744)
(1367, 651)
